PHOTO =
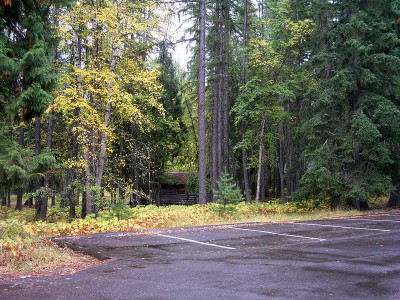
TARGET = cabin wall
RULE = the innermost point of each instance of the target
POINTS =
(174, 195)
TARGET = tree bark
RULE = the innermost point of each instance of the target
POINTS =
(202, 106)
(104, 134)
(41, 207)
(243, 122)
(216, 114)
(225, 36)
(103, 146)
(20, 191)
(359, 205)
(44, 203)
(87, 201)
(281, 168)
(8, 197)
(260, 161)
(3, 197)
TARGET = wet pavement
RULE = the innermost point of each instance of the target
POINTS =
(350, 258)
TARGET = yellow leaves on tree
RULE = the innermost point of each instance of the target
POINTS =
(108, 81)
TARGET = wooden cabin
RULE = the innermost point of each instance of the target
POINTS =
(173, 191)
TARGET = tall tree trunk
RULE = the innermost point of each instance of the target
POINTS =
(225, 103)
(216, 114)
(202, 106)
(86, 203)
(104, 134)
(243, 122)
(216, 139)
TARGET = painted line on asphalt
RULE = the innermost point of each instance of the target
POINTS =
(197, 242)
(337, 226)
(276, 233)
(374, 220)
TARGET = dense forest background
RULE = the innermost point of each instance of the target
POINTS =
(295, 100)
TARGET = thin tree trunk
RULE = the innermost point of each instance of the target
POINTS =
(263, 183)
(260, 160)
(8, 197)
(103, 146)
(281, 168)
(87, 201)
(3, 197)
(216, 139)
(243, 122)
(41, 212)
(20, 191)
(84, 212)
(53, 200)
(202, 106)
(72, 196)
(225, 34)
(216, 127)
(104, 134)
(49, 145)
(324, 29)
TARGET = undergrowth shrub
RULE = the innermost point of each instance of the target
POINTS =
(228, 195)
(22, 247)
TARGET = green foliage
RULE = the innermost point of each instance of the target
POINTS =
(351, 152)
(167, 179)
(192, 183)
(120, 210)
(228, 192)
(19, 165)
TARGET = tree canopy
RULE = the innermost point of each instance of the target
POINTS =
(297, 100)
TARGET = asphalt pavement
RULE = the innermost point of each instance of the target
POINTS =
(347, 258)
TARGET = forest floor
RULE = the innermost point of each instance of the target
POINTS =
(79, 262)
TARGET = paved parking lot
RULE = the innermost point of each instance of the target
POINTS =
(350, 258)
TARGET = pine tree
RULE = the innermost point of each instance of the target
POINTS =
(227, 192)
(353, 116)
(202, 165)
(26, 33)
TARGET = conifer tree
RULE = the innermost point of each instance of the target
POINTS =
(28, 78)
(353, 116)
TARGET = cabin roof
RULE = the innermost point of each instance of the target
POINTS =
(181, 176)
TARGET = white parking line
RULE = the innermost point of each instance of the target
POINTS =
(275, 233)
(346, 227)
(197, 242)
(355, 219)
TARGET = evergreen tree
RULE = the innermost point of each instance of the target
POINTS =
(28, 80)
(353, 116)
(227, 192)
